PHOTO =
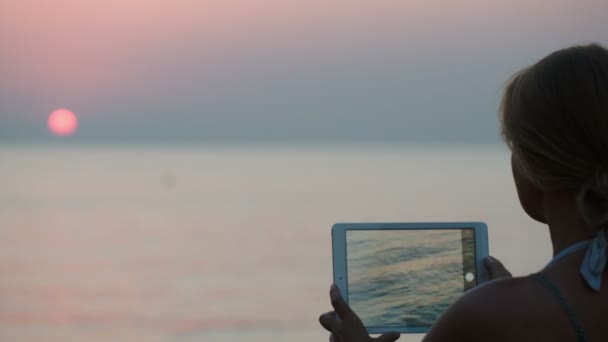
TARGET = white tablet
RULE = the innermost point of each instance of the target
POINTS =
(403, 276)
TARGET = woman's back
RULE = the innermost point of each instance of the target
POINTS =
(526, 309)
(588, 307)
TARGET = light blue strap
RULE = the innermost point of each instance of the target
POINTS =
(594, 264)
(569, 250)
(576, 324)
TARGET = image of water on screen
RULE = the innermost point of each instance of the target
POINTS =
(407, 277)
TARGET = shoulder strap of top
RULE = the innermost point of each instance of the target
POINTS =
(576, 324)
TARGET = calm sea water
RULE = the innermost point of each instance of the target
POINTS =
(127, 243)
(404, 278)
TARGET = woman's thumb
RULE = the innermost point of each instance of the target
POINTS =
(496, 269)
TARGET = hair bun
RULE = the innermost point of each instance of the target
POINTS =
(593, 198)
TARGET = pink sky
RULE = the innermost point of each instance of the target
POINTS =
(86, 54)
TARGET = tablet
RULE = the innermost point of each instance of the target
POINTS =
(403, 276)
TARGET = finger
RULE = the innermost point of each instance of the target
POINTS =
(496, 269)
(389, 337)
(339, 303)
(328, 321)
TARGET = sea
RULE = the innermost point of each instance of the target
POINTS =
(407, 277)
(221, 242)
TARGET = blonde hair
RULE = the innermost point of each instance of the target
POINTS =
(554, 117)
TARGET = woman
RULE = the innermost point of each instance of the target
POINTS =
(554, 117)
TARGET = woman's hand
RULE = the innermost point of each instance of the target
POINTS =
(496, 269)
(345, 325)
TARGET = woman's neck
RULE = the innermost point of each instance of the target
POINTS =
(566, 224)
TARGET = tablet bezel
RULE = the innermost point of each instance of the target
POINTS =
(338, 233)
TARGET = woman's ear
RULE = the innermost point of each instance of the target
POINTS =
(531, 197)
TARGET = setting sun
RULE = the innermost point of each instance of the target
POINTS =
(62, 122)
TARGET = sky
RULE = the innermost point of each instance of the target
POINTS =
(275, 71)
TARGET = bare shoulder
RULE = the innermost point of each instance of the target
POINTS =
(492, 312)
(501, 297)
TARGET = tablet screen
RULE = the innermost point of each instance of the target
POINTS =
(408, 277)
